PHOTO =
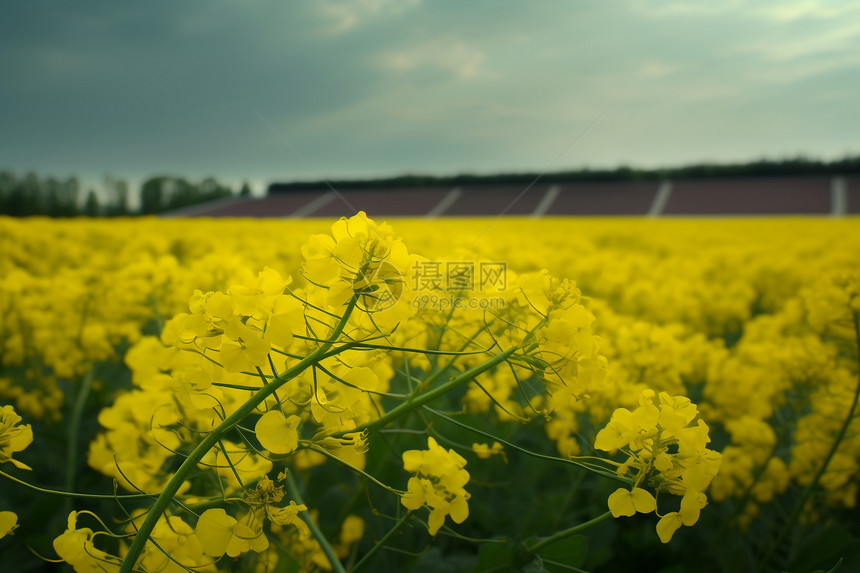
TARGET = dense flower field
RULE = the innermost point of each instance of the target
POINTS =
(429, 395)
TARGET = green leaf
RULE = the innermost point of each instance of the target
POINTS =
(833, 570)
(494, 557)
(819, 551)
(835, 567)
(535, 566)
(434, 561)
(569, 551)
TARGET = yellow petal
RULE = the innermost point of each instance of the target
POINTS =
(257, 350)
(8, 523)
(459, 510)
(271, 283)
(414, 496)
(663, 462)
(339, 293)
(668, 525)
(277, 433)
(362, 377)
(279, 329)
(643, 501)
(245, 539)
(21, 439)
(621, 503)
(437, 518)
(233, 357)
(215, 531)
(691, 505)
(412, 460)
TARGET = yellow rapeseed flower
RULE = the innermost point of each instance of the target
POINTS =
(13, 438)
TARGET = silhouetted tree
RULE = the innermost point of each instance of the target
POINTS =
(7, 185)
(51, 188)
(167, 193)
(29, 196)
(180, 193)
(117, 196)
(91, 207)
(152, 195)
(69, 191)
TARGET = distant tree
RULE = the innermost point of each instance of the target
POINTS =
(13, 204)
(117, 196)
(69, 192)
(120, 203)
(51, 188)
(209, 186)
(245, 191)
(167, 193)
(210, 189)
(152, 195)
(8, 181)
(29, 196)
(92, 207)
(181, 193)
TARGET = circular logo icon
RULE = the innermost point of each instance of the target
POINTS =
(385, 284)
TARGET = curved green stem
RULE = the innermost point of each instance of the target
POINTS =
(795, 514)
(74, 431)
(568, 532)
(417, 401)
(381, 543)
(364, 474)
(214, 436)
(71, 493)
(439, 371)
(333, 559)
(596, 468)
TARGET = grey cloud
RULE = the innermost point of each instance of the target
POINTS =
(378, 86)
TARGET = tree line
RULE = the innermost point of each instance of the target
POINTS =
(799, 166)
(56, 197)
(31, 195)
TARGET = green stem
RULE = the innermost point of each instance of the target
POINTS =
(568, 532)
(74, 431)
(71, 493)
(439, 371)
(214, 436)
(381, 543)
(574, 461)
(333, 559)
(417, 401)
(331, 456)
(795, 514)
(360, 491)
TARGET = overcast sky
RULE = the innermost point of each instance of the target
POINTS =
(263, 90)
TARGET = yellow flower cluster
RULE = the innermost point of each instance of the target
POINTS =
(67, 302)
(14, 438)
(721, 313)
(438, 482)
(665, 453)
